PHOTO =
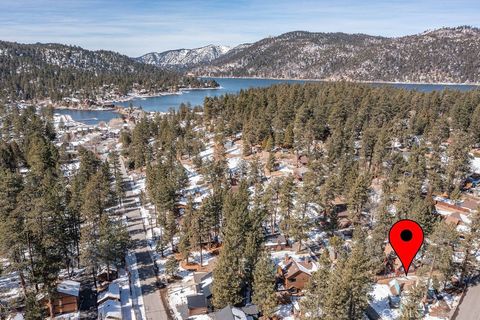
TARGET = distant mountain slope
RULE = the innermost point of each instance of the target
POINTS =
(443, 55)
(184, 57)
(29, 71)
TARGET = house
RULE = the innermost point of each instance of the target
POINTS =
(231, 313)
(394, 287)
(343, 216)
(197, 304)
(470, 203)
(392, 263)
(473, 181)
(66, 298)
(453, 218)
(107, 275)
(303, 160)
(296, 274)
(110, 310)
(202, 281)
(394, 298)
(299, 173)
(111, 293)
(444, 207)
(276, 242)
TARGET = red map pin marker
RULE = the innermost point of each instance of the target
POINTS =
(406, 238)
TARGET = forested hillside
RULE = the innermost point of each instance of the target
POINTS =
(50, 222)
(182, 58)
(443, 55)
(386, 153)
(35, 71)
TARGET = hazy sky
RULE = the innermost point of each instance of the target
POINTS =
(135, 27)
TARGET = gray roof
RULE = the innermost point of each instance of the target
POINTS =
(196, 301)
(207, 290)
(250, 310)
(225, 314)
(200, 276)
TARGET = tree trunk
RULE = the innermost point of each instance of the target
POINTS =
(50, 307)
(23, 283)
(94, 278)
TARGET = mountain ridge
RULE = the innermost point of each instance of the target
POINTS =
(184, 57)
(30, 71)
(444, 55)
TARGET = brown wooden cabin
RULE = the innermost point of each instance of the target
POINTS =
(66, 298)
(296, 274)
(276, 242)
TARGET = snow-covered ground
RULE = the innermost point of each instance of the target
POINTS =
(380, 302)
(125, 298)
(10, 286)
(475, 164)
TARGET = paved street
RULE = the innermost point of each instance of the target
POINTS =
(154, 306)
(469, 309)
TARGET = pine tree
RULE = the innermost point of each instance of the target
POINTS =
(229, 272)
(358, 197)
(271, 165)
(349, 284)
(440, 251)
(264, 295)
(412, 305)
(33, 309)
(119, 188)
(317, 289)
(171, 266)
(289, 139)
(286, 203)
(299, 221)
(470, 247)
(423, 212)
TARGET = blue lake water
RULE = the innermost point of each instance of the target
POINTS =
(227, 85)
(89, 116)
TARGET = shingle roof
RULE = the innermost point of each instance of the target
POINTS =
(224, 314)
(196, 301)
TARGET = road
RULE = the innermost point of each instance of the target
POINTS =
(152, 300)
(469, 309)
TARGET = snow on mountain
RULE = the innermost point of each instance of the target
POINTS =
(441, 55)
(184, 57)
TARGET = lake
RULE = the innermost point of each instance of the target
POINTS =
(227, 85)
(89, 116)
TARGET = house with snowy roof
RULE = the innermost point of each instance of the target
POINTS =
(296, 274)
(110, 310)
(66, 298)
(111, 293)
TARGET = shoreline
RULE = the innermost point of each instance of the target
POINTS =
(132, 97)
(84, 109)
(185, 90)
(159, 94)
(473, 84)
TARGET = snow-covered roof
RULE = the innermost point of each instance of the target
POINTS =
(110, 309)
(69, 287)
(112, 293)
